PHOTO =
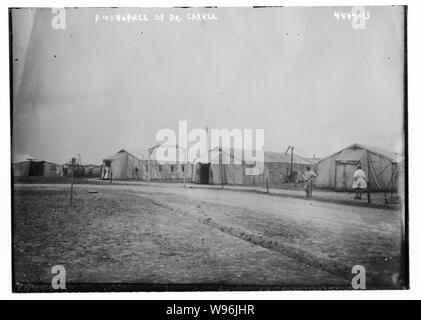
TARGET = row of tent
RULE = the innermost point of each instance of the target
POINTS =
(28, 166)
(385, 169)
(140, 165)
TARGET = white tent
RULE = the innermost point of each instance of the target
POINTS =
(383, 168)
(227, 167)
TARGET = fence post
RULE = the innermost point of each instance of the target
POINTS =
(221, 167)
(368, 192)
(71, 183)
(267, 185)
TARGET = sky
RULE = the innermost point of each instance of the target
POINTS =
(308, 79)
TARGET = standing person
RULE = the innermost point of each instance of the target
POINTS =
(360, 182)
(308, 176)
(65, 170)
(107, 173)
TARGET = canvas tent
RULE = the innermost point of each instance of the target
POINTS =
(276, 168)
(138, 164)
(218, 166)
(313, 160)
(83, 171)
(169, 168)
(383, 168)
(123, 165)
(28, 166)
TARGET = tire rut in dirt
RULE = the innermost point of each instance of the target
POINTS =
(327, 265)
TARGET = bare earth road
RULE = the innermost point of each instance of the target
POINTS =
(164, 234)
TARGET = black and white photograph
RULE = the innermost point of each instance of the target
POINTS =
(209, 148)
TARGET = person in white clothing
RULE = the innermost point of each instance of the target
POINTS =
(360, 182)
(107, 173)
(309, 177)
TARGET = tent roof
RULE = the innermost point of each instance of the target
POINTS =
(17, 158)
(143, 154)
(136, 153)
(393, 156)
(113, 156)
(227, 156)
(351, 155)
(313, 160)
(154, 156)
(269, 156)
(355, 152)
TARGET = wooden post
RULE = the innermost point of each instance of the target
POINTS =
(111, 177)
(221, 175)
(368, 179)
(391, 185)
(368, 192)
(267, 185)
(292, 162)
(185, 168)
(292, 167)
(184, 175)
(71, 183)
(208, 145)
(149, 167)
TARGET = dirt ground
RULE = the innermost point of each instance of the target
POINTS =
(166, 234)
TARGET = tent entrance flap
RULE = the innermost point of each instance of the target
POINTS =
(204, 173)
(106, 168)
(345, 175)
(36, 168)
